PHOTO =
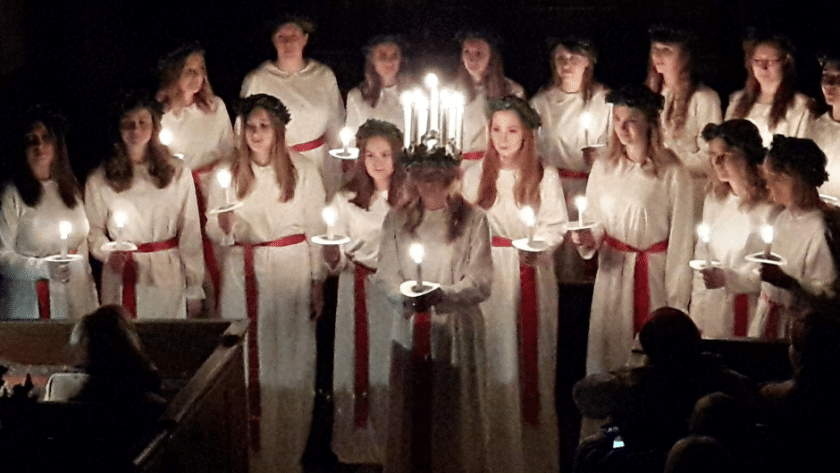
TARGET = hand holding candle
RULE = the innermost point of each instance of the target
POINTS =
(581, 204)
(704, 233)
(767, 234)
(416, 252)
(330, 217)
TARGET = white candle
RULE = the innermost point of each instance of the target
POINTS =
(346, 136)
(179, 156)
(766, 232)
(330, 217)
(530, 219)
(416, 252)
(458, 100)
(704, 233)
(431, 81)
(586, 123)
(407, 101)
(120, 220)
(422, 115)
(445, 116)
(165, 136)
(64, 230)
(581, 204)
(225, 177)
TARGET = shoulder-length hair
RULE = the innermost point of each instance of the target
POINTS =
(526, 191)
(371, 86)
(495, 84)
(786, 93)
(61, 172)
(588, 85)
(171, 67)
(119, 171)
(280, 158)
(741, 138)
(457, 208)
(659, 156)
(362, 184)
(675, 115)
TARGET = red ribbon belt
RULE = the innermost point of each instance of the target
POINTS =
(741, 306)
(252, 304)
(209, 256)
(129, 290)
(472, 155)
(771, 329)
(641, 285)
(421, 394)
(42, 290)
(361, 408)
(529, 326)
(567, 174)
(309, 145)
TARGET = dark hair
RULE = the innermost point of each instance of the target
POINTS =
(575, 45)
(361, 183)
(677, 112)
(496, 85)
(669, 336)
(743, 137)
(305, 24)
(371, 86)
(799, 156)
(171, 67)
(815, 338)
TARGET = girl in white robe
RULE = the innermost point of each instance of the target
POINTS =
(794, 168)
(378, 96)
(481, 77)
(437, 408)
(145, 196)
(310, 91)
(723, 299)
(363, 318)
(521, 314)
(769, 98)
(42, 194)
(825, 130)
(274, 276)
(638, 195)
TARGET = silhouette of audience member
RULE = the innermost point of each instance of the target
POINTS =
(732, 423)
(697, 454)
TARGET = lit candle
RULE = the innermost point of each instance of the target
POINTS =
(179, 156)
(586, 123)
(64, 229)
(330, 217)
(581, 204)
(767, 236)
(445, 116)
(431, 81)
(346, 136)
(224, 177)
(704, 233)
(417, 253)
(165, 136)
(407, 100)
(422, 114)
(120, 220)
(530, 219)
(458, 101)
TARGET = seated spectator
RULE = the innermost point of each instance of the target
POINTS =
(696, 454)
(732, 423)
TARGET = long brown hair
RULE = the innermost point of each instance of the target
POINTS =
(362, 184)
(584, 48)
(676, 115)
(742, 139)
(171, 67)
(281, 160)
(457, 208)
(371, 86)
(786, 93)
(659, 156)
(494, 82)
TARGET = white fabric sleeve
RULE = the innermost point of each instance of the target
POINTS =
(189, 236)
(475, 285)
(389, 272)
(312, 192)
(12, 264)
(552, 216)
(680, 240)
(97, 215)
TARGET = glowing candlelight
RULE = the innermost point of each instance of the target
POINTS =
(445, 116)
(530, 219)
(165, 136)
(64, 230)
(586, 124)
(704, 233)
(407, 101)
(120, 220)
(346, 136)
(766, 232)
(417, 253)
(458, 102)
(431, 82)
(179, 156)
(422, 114)
(330, 216)
(581, 204)
(225, 177)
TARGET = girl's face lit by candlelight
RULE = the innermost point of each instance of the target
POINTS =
(475, 53)
(784, 188)
(729, 165)
(193, 74)
(766, 63)
(386, 59)
(570, 68)
(630, 125)
(667, 58)
(259, 132)
(136, 128)
(379, 159)
(40, 151)
(507, 134)
(289, 41)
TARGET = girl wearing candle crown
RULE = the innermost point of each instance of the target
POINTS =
(378, 96)
(769, 98)
(42, 197)
(310, 90)
(724, 298)
(482, 78)
(793, 169)
(825, 130)
(144, 195)
(199, 130)
(274, 276)
(363, 321)
(689, 105)
(639, 194)
(521, 313)
(437, 409)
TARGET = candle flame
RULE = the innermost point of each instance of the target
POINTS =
(346, 136)
(407, 99)
(179, 156)
(528, 216)
(416, 252)
(766, 234)
(581, 203)
(120, 218)
(329, 215)
(704, 232)
(165, 136)
(64, 229)
(586, 120)
(224, 177)
(431, 81)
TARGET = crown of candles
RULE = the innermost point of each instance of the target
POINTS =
(434, 120)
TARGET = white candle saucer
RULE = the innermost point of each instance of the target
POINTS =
(775, 259)
(407, 288)
(119, 246)
(69, 258)
(225, 208)
(700, 264)
(327, 241)
(535, 246)
(576, 227)
(342, 153)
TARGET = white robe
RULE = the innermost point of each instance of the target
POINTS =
(284, 275)
(734, 235)
(364, 227)
(388, 108)
(315, 104)
(826, 134)
(516, 445)
(201, 137)
(475, 122)
(27, 236)
(641, 210)
(800, 239)
(165, 279)
(464, 268)
(794, 123)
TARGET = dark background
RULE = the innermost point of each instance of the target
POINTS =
(80, 54)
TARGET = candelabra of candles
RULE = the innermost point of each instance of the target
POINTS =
(225, 179)
(120, 221)
(330, 217)
(434, 120)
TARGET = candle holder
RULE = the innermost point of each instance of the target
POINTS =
(68, 258)
(225, 180)
(531, 245)
(119, 246)
(230, 207)
(577, 226)
(411, 289)
(330, 240)
(701, 264)
(762, 257)
(830, 199)
(346, 153)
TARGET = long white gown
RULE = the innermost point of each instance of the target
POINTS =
(316, 107)
(388, 108)
(794, 123)
(688, 143)
(734, 235)
(518, 444)
(284, 276)
(642, 210)
(475, 122)
(27, 236)
(464, 268)
(202, 138)
(800, 239)
(165, 279)
(826, 134)
(363, 441)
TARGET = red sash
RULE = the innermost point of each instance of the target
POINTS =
(741, 306)
(129, 274)
(422, 395)
(771, 329)
(309, 145)
(361, 408)
(207, 245)
(472, 155)
(567, 174)
(42, 290)
(641, 288)
(529, 326)
(252, 303)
